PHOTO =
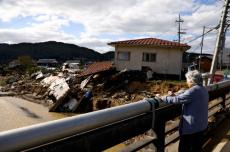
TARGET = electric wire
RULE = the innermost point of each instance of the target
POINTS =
(215, 28)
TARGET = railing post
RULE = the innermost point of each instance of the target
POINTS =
(205, 77)
(224, 100)
(159, 129)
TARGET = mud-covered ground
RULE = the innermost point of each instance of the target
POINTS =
(108, 90)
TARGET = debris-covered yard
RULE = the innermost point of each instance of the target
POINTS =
(99, 86)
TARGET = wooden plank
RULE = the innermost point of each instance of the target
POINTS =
(214, 110)
(227, 102)
(215, 102)
(171, 137)
(172, 126)
(228, 106)
(139, 144)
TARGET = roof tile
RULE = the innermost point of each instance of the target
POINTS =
(150, 42)
(97, 67)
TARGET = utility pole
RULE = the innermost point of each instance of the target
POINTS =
(201, 47)
(179, 21)
(220, 37)
(222, 45)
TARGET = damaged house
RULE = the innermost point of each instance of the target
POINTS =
(47, 63)
(161, 56)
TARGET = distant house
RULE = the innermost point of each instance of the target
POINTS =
(47, 62)
(189, 57)
(21, 62)
(73, 61)
(204, 62)
(162, 56)
(72, 66)
(14, 63)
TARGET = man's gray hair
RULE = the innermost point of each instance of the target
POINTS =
(194, 77)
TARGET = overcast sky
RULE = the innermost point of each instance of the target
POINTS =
(94, 23)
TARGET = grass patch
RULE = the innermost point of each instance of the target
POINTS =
(2, 82)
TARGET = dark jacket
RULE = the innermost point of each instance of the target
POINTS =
(194, 109)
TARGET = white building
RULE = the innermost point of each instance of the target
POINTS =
(225, 57)
(162, 56)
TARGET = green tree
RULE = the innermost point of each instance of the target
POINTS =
(25, 60)
(27, 64)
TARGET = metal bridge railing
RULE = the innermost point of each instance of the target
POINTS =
(104, 125)
(97, 131)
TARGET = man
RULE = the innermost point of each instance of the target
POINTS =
(194, 118)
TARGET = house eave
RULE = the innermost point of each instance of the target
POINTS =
(185, 48)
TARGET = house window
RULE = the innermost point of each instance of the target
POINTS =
(149, 57)
(123, 56)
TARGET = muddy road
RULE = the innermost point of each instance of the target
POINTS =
(16, 112)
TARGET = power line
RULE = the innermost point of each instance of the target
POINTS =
(204, 34)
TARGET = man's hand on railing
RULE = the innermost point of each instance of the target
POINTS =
(170, 93)
(180, 91)
(160, 99)
(157, 96)
(153, 102)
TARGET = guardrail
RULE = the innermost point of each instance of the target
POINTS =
(89, 132)
(103, 129)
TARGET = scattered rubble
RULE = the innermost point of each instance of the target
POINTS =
(85, 82)
(57, 91)
(98, 87)
(71, 105)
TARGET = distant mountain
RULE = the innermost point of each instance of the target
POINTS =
(108, 55)
(47, 50)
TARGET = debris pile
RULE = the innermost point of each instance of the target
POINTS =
(99, 86)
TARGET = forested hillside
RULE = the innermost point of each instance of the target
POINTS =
(51, 49)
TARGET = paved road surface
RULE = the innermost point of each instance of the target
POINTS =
(15, 113)
(220, 142)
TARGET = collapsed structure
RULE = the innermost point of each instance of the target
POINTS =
(105, 84)
(97, 87)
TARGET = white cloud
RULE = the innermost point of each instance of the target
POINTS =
(114, 17)
(28, 35)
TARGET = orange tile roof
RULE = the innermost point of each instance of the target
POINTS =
(97, 67)
(150, 42)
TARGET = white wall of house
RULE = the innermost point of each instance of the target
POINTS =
(225, 57)
(168, 60)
